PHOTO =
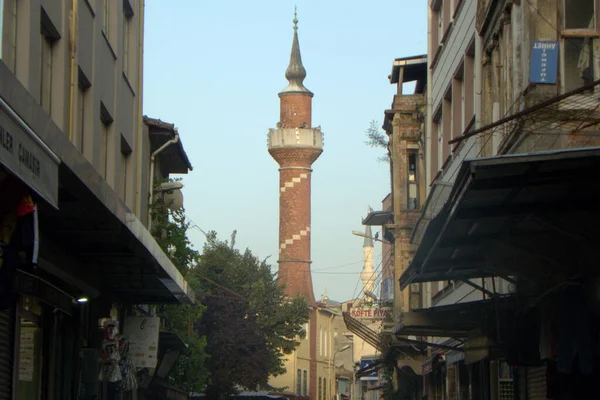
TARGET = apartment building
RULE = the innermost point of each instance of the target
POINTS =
(511, 147)
(76, 159)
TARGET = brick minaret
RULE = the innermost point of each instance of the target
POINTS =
(295, 145)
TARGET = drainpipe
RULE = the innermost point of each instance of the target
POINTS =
(139, 113)
(331, 357)
(152, 158)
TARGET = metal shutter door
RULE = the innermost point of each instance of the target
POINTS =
(7, 330)
(536, 383)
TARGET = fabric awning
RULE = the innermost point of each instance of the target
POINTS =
(515, 215)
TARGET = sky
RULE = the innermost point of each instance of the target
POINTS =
(214, 69)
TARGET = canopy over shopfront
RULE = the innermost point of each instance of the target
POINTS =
(89, 240)
(516, 216)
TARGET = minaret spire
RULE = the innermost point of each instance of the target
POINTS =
(295, 72)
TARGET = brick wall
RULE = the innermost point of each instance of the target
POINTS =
(295, 109)
(295, 219)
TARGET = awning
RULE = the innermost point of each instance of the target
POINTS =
(24, 154)
(516, 215)
(379, 218)
(93, 243)
(454, 320)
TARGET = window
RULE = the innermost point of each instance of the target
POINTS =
(579, 14)
(124, 173)
(579, 38)
(106, 131)
(46, 74)
(320, 389)
(305, 384)
(325, 347)
(83, 86)
(412, 167)
(413, 202)
(127, 18)
(299, 382)
(343, 386)
(106, 17)
(440, 25)
(579, 69)
(49, 35)
(325, 397)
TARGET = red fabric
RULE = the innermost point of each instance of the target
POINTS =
(15, 194)
(26, 204)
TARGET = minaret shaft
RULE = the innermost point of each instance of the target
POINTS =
(295, 145)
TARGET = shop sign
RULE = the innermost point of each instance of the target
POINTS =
(368, 364)
(24, 154)
(27, 354)
(142, 334)
(373, 312)
(544, 62)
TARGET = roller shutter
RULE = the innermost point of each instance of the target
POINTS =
(536, 383)
(7, 330)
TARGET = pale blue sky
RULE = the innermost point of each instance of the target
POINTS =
(214, 70)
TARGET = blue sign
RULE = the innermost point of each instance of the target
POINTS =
(544, 62)
(365, 364)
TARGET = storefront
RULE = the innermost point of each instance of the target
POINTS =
(74, 260)
(531, 219)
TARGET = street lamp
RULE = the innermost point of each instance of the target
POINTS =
(332, 366)
(358, 233)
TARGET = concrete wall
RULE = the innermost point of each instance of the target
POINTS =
(101, 79)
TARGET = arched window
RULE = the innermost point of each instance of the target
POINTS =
(320, 389)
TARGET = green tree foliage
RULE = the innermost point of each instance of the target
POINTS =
(249, 324)
(377, 138)
(170, 231)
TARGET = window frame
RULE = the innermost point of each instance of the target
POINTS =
(305, 382)
(593, 35)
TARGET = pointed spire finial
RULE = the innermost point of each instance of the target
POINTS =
(295, 19)
(295, 72)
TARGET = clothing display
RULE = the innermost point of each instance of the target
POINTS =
(116, 366)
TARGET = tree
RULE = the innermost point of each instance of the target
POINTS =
(170, 231)
(376, 138)
(249, 324)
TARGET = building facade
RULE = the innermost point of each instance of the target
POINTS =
(511, 135)
(75, 164)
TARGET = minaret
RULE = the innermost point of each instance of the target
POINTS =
(295, 145)
(367, 275)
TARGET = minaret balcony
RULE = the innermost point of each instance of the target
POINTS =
(295, 137)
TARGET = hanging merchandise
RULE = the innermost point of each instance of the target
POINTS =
(116, 367)
(110, 371)
(129, 381)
